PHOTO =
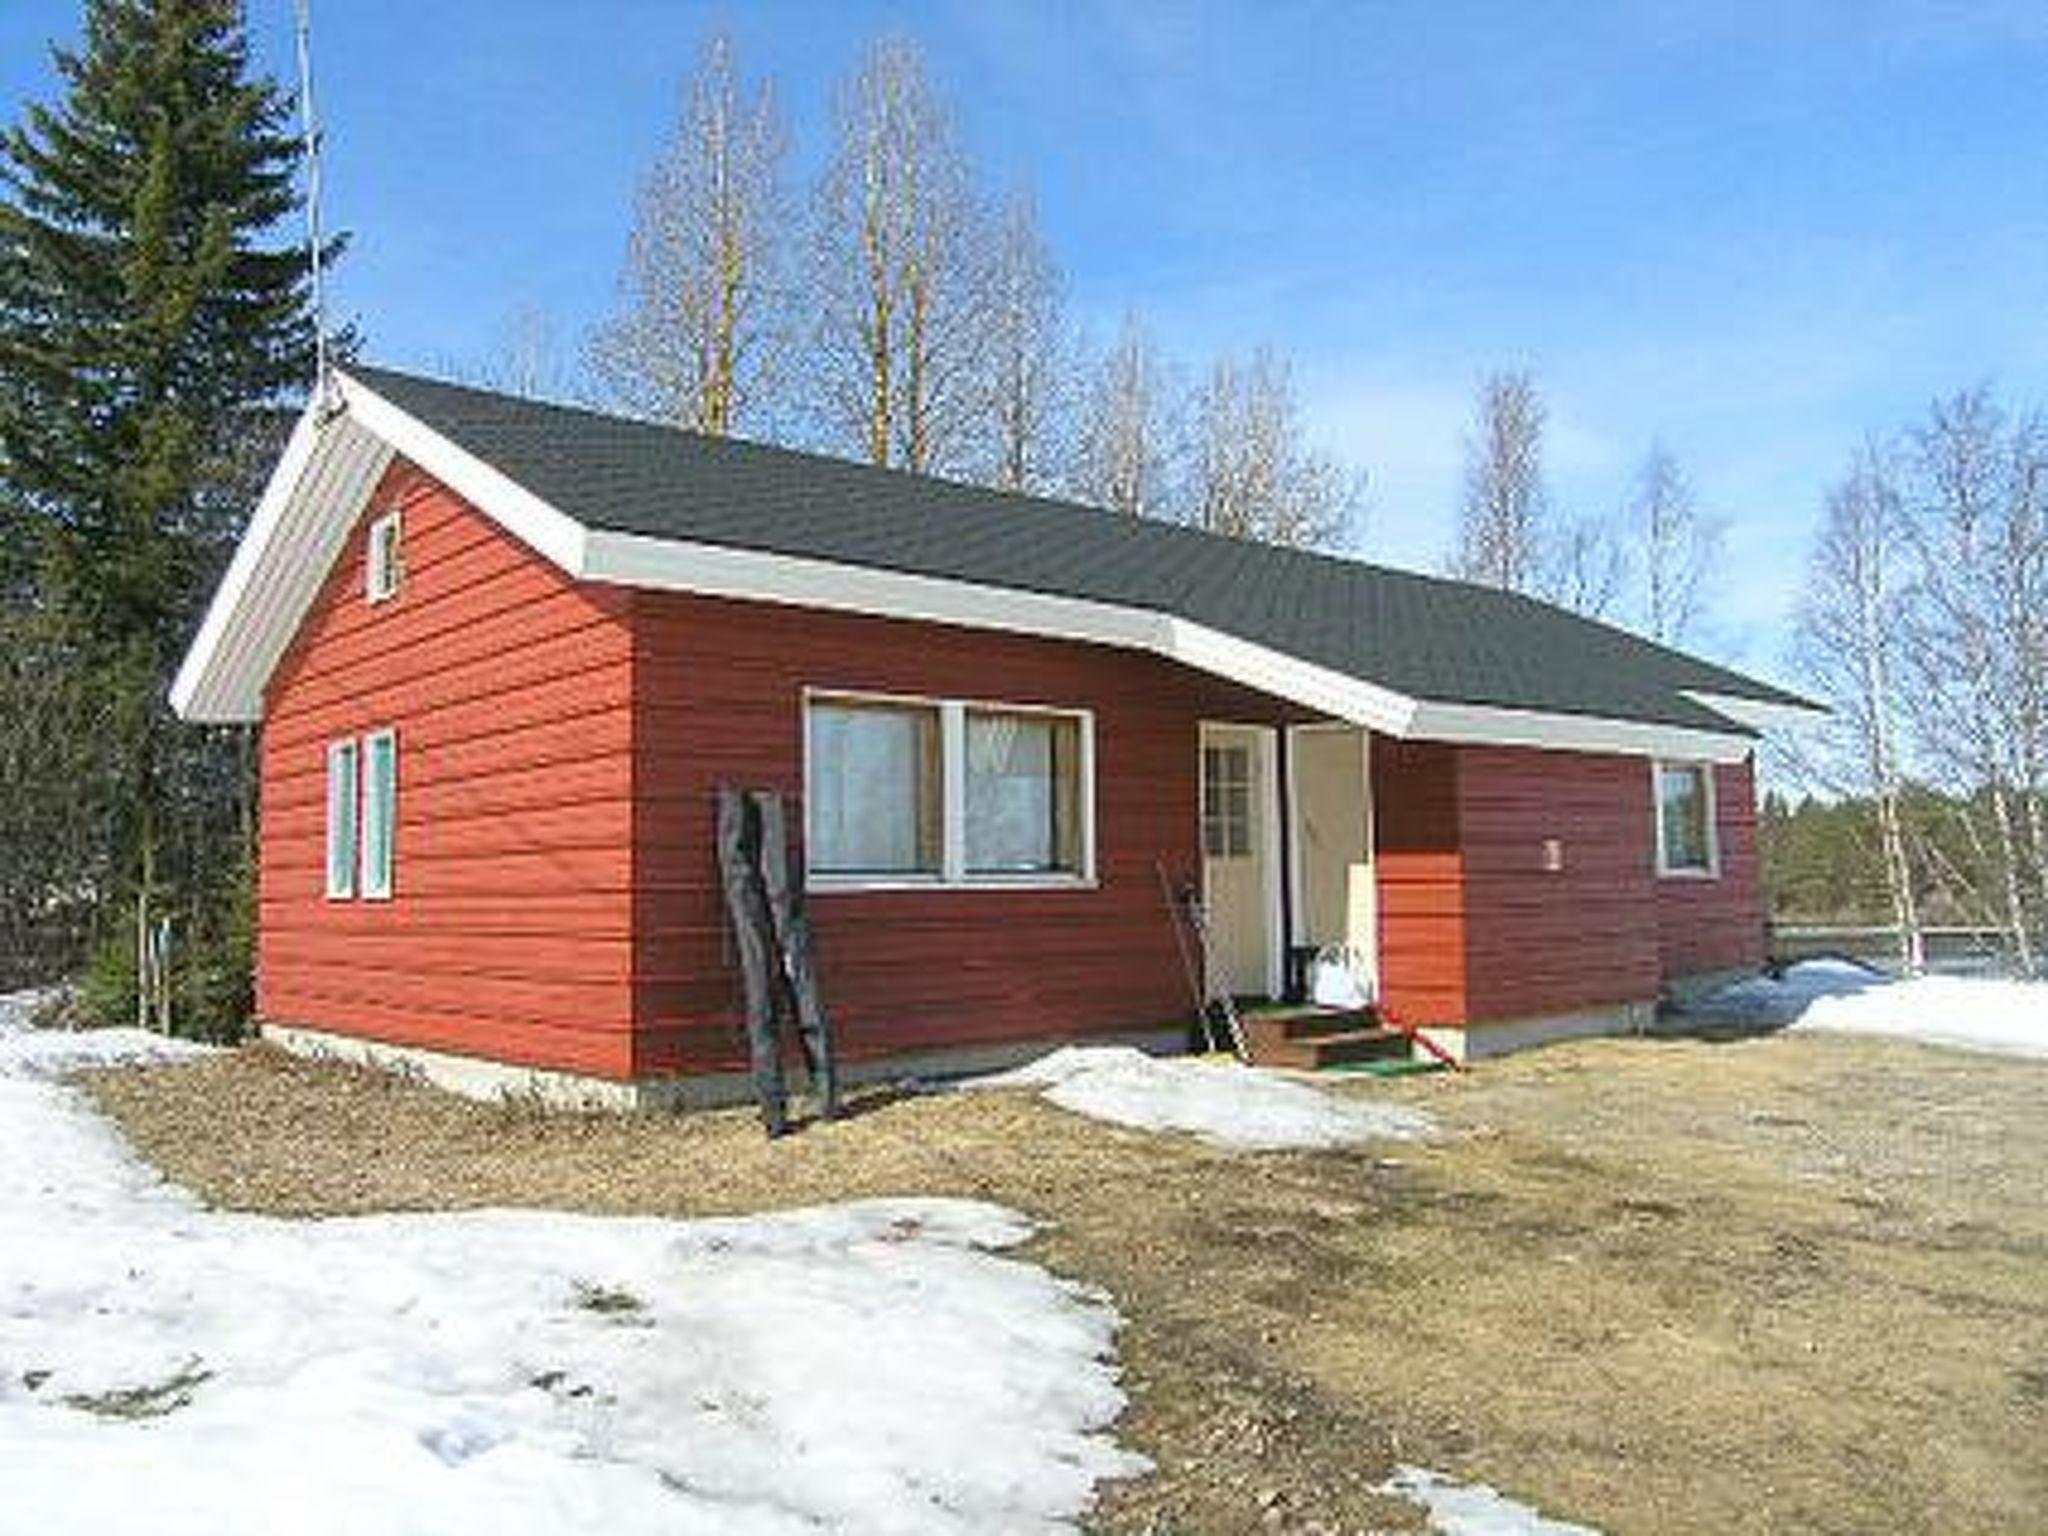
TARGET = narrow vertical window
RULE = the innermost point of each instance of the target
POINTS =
(342, 780)
(382, 566)
(380, 812)
(1685, 819)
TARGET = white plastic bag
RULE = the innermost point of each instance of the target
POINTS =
(1336, 980)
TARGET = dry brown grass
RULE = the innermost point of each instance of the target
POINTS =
(1782, 1285)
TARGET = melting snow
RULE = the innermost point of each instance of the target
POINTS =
(1840, 997)
(1473, 1509)
(1229, 1105)
(29, 1052)
(862, 1367)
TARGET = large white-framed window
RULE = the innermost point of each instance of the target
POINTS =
(384, 558)
(1687, 844)
(380, 814)
(344, 778)
(905, 791)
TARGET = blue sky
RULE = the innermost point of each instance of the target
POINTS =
(1757, 231)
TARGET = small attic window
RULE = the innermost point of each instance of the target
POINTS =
(384, 566)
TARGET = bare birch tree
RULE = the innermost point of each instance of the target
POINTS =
(1972, 627)
(1501, 524)
(1255, 475)
(699, 335)
(1848, 642)
(1124, 439)
(1675, 544)
(528, 354)
(898, 343)
(1027, 358)
(1585, 567)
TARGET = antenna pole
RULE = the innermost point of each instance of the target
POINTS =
(309, 131)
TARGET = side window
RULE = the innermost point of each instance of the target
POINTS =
(380, 813)
(1685, 819)
(343, 778)
(383, 566)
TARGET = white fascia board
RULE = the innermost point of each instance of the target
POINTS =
(1758, 714)
(554, 534)
(256, 539)
(712, 570)
(1337, 694)
(1491, 725)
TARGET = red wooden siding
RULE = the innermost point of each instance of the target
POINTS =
(719, 695)
(1421, 870)
(509, 933)
(1718, 925)
(1474, 927)
(1542, 942)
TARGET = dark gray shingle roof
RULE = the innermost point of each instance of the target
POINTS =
(1424, 636)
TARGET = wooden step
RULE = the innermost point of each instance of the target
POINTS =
(1278, 1024)
(1324, 1038)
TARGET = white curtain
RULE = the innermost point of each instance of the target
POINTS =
(1013, 773)
(871, 799)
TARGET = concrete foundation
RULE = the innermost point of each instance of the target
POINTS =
(475, 1077)
(1477, 1042)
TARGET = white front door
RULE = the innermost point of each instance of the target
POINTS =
(1239, 862)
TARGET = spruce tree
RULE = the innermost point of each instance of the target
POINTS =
(155, 325)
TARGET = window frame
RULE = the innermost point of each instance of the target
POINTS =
(953, 873)
(1704, 770)
(384, 557)
(343, 877)
(375, 884)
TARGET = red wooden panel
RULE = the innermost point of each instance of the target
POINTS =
(509, 935)
(1715, 925)
(1544, 941)
(1421, 869)
(720, 687)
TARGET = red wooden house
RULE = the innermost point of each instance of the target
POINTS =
(503, 653)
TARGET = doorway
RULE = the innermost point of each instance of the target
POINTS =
(1335, 891)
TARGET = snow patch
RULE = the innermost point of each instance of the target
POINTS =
(1768, 1000)
(1228, 1105)
(1473, 1509)
(18, 1009)
(1973, 1013)
(873, 1366)
(26, 1051)
(1841, 997)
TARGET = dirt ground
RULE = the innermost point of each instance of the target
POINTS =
(1787, 1284)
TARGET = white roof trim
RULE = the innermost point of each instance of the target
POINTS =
(293, 538)
(1758, 714)
(1492, 725)
(714, 570)
(554, 534)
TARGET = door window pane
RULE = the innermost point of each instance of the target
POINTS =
(1227, 801)
(875, 802)
(1023, 793)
